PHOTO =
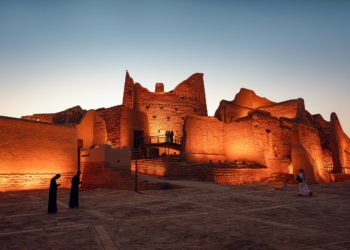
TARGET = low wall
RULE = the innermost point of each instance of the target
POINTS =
(101, 175)
(219, 173)
(30, 181)
(32, 152)
(232, 176)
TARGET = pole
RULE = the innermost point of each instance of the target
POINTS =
(136, 174)
(80, 145)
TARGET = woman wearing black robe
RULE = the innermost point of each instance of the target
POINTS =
(52, 207)
(74, 191)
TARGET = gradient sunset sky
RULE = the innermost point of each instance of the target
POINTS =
(58, 54)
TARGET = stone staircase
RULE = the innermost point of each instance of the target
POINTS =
(281, 179)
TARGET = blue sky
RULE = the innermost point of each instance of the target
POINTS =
(59, 54)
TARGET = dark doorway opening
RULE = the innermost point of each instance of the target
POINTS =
(138, 138)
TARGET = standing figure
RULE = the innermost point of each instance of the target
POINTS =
(172, 136)
(52, 207)
(74, 191)
(303, 189)
(166, 136)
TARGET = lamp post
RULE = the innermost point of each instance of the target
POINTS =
(137, 154)
(80, 145)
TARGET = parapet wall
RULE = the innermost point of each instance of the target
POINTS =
(33, 152)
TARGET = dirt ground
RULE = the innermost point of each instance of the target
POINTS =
(201, 215)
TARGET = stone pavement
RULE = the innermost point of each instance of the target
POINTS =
(202, 215)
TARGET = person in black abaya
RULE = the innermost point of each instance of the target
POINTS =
(52, 207)
(74, 191)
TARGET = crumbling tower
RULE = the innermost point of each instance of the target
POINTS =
(129, 91)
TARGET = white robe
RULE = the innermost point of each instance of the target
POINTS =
(303, 189)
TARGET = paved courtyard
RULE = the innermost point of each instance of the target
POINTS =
(201, 215)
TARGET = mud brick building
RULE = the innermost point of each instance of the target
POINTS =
(249, 139)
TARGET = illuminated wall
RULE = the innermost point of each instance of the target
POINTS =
(246, 101)
(229, 112)
(307, 153)
(242, 143)
(131, 121)
(117, 159)
(252, 139)
(70, 117)
(167, 110)
(219, 173)
(121, 122)
(29, 149)
(286, 109)
(92, 130)
(203, 139)
(340, 145)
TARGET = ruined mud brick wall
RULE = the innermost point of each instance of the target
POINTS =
(203, 139)
(323, 129)
(248, 98)
(286, 109)
(70, 117)
(315, 121)
(92, 130)
(273, 141)
(112, 117)
(241, 142)
(121, 122)
(33, 151)
(340, 146)
(167, 110)
(129, 91)
(132, 120)
(229, 112)
(308, 138)
(244, 101)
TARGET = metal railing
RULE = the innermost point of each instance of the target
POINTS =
(341, 170)
(158, 140)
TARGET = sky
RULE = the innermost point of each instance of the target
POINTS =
(58, 54)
